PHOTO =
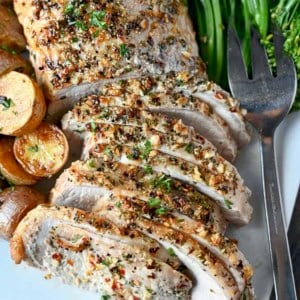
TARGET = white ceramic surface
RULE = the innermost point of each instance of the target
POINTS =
(25, 283)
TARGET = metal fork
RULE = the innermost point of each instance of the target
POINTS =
(267, 99)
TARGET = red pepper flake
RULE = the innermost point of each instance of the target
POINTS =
(57, 256)
(219, 95)
(135, 298)
(107, 279)
(114, 285)
(122, 272)
(70, 262)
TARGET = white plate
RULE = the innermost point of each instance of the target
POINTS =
(25, 283)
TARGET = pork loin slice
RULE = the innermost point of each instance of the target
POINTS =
(225, 249)
(96, 254)
(211, 278)
(144, 140)
(99, 41)
(83, 186)
(202, 118)
(223, 188)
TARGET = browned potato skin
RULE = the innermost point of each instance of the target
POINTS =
(10, 168)
(28, 104)
(15, 204)
(47, 138)
(10, 62)
(11, 32)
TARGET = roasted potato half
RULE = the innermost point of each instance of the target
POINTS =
(42, 152)
(10, 62)
(11, 32)
(22, 104)
(10, 168)
(14, 205)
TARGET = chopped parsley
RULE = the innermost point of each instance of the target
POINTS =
(80, 25)
(93, 125)
(148, 170)
(118, 204)
(153, 202)
(145, 151)
(161, 211)
(189, 148)
(96, 19)
(69, 9)
(171, 252)
(76, 238)
(33, 149)
(106, 262)
(163, 182)
(228, 203)
(123, 50)
(105, 297)
(108, 152)
(7, 103)
(91, 163)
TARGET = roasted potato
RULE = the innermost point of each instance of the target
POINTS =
(10, 168)
(22, 104)
(14, 205)
(11, 32)
(42, 152)
(10, 62)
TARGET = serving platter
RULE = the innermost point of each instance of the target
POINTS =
(24, 283)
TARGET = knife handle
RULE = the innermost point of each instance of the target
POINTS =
(284, 285)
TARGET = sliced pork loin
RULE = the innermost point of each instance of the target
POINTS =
(113, 40)
(205, 122)
(224, 187)
(126, 208)
(96, 254)
(82, 186)
(212, 280)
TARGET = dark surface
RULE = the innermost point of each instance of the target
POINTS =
(294, 240)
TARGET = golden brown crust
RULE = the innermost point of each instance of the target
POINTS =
(11, 33)
(10, 62)
(17, 251)
(42, 152)
(10, 168)
(14, 205)
(22, 104)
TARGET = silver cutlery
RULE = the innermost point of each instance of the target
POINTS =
(268, 99)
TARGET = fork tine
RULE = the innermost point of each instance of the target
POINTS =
(284, 63)
(235, 62)
(259, 58)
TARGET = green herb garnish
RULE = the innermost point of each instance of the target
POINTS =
(161, 211)
(148, 170)
(7, 103)
(106, 262)
(123, 50)
(96, 19)
(228, 203)
(153, 202)
(189, 148)
(80, 25)
(93, 125)
(162, 182)
(33, 149)
(145, 151)
(118, 204)
(171, 252)
(105, 297)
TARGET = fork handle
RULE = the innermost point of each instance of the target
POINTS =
(280, 255)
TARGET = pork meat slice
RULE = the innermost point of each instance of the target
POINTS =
(203, 119)
(144, 140)
(223, 188)
(82, 186)
(212, 280)
(94, 253)
(77, 46)
(225, 249)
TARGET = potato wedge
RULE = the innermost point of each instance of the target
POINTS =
(10, 168)
(42, 152)
(14, 205)
(11, 32)
(22, 104)
(10, 62)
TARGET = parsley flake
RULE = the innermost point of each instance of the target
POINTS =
(171, 252)
(228, 203)
(153, 202)
(123, 50)
(96, 19)
(7, 103)
(33, 149)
